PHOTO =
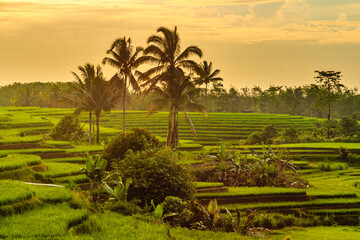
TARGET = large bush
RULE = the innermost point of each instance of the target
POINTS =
(265, 136)
(68, 129)
(155, 175)
(137, 139)
(349, 126)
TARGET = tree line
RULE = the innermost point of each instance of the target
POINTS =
(302, 100)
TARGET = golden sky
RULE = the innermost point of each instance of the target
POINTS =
(257, 42)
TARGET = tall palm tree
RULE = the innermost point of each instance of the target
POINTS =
(125, 59)
(206, 76)
(93, 94)
(177, 96)
(169, 71)
(105, 98)
(83, 89)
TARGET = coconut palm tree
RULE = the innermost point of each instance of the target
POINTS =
(206, 76)
(171, 63)
(176, 97)
(125, 59)
(105, 97)
(82, 91)
(93, 94)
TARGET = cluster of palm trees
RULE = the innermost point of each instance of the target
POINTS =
(173, 79)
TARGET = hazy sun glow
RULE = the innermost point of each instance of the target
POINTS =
(258, 42)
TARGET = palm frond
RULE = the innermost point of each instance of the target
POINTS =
(188, 52)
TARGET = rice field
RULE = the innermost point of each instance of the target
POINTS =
(23, 137)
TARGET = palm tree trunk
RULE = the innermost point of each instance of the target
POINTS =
(124, 105)
(97, 128)
(328, 128)
(173, 133)
(206, 96)
(90, 120)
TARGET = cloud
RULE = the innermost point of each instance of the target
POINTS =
(342, 17)
(236, 20)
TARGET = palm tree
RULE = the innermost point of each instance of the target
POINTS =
(93, 94)
(83, 88)
(170, 65)
(206, 76)
(178, 97)
(105, 98)
(125, 59)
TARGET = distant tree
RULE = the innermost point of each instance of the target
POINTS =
(126, 60)
(26, 96)
(329, 83)
(207, 76)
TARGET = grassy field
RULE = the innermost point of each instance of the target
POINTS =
(42, 212)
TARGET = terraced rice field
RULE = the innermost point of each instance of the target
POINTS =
(31, 158)
(211, 129)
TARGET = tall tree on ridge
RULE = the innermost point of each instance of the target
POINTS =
(164, 52)
(126, 60)
(329, 82)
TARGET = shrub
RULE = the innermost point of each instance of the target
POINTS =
(155, 175)
(254, 138)
(68, 129)
(269, 131)
(353, 158)
(174, 205)
(329, 125)
(137, 139)
(265, 220)
(265, 136)
(290, 134)
(349, 126)
(344, 154)
(124, 207)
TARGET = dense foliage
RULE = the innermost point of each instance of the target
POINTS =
(68, 129)
(137, 139)
(301, 100)
(155, 175)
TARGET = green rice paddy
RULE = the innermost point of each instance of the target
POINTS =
(43, 212)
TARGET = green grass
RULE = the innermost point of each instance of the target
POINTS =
(85, 149)
(51, 194)
(319, 233)
(31, 151)
(55, 169)
(55, 144)
(251, 191)
(115, 226)
(19, 140)
(319, 193)
(284, 205)
(51, 221)
(335, 211)
(327, 145)
(76, 179)
(16, 161)
(67, 160)
(202, 185)
(12, 191)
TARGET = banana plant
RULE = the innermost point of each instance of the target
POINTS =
(120, 191)
(158, 210)
(95, 171)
